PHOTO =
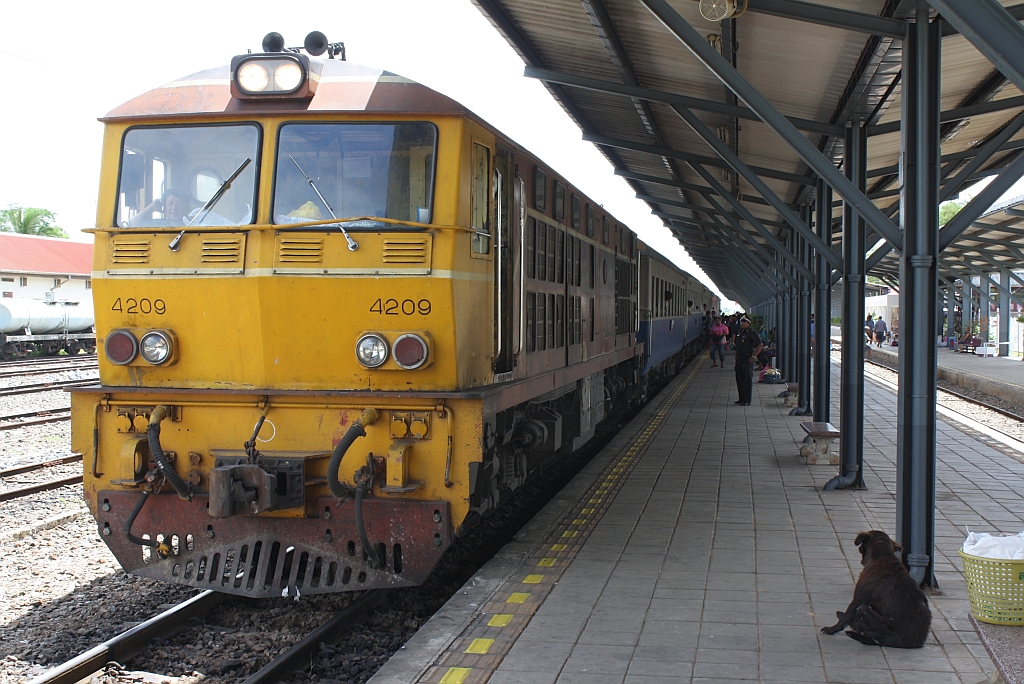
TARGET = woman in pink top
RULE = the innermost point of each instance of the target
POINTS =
(719, 340)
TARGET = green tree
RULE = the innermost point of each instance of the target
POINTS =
(948, 210)
(30, 221)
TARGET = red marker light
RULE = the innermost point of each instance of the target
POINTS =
(121, 347)
(410, 351)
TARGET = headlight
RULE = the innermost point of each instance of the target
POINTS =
(410, 351)
(155, 347)
(121, 347)
(287, 76)
(372, 350)
(253, 77)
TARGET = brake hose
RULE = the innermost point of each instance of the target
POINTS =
(184, 489)
(340, 490)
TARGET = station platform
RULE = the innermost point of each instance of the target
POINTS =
(1000, 376)
(697, 547)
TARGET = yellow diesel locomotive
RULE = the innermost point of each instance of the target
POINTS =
(340, 318)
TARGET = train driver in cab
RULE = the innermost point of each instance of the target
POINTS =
(173, 205)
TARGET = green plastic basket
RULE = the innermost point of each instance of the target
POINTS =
(995, 589)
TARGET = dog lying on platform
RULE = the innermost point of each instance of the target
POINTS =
(888, 607)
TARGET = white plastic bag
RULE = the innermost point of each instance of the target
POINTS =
(985, 545)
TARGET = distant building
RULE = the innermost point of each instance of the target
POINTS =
(33, 267)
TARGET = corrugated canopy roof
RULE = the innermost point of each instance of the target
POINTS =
(623, 76)
(35, 255)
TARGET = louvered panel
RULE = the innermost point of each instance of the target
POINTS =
(300, 250)
(222, 250)
(406, 250)
(130, 250)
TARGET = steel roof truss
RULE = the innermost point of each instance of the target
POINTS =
(956, 114)
(982, 201)
(829, 16)
(820, 164)
(991, 29)
(625, 173)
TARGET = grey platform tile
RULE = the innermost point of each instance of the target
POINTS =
(793, 673)
(651, 679)
(537, 656)
(726, 655)
(725, 671)
(592, 637)
(600, 659)
(521, 677)
(916, 677)
(572, 677)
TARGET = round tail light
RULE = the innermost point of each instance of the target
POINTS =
(410, 351)
(121, 347)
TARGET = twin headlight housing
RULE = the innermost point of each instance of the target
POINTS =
(274, 75)
(155, 347)
(408, 350)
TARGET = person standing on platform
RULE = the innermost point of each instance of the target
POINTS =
(719, 340)
(880, 330)
(748, 345)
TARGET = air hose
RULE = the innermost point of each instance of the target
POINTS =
(131, 521)
(184, 489)
(340, 490)
(371, 554)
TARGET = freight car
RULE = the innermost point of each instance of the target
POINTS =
(34, 325)
(467, 317)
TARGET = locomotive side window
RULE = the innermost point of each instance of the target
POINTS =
(171, 175)
(559, 202)
(540, 189)
(480, 198)
(349, 170)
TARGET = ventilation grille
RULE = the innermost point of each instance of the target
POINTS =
(272, 568)
(130, 250)
(405, 250)
(222, 250)
(297, 250)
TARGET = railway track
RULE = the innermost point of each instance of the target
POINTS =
(49, 369)
(134, 641)
(44, 387)
(17, 420)
(45, 361)
(36, 487)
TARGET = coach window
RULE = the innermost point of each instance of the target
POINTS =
(575, 213)
(540, 189)
(590, 221)
(531, 318)
(560, 257)
(542, 251)
(541, 318)
(559, 202)
(576, 260)
(551, 321)
(531, 228)
(481, 169)
(551, 253)
(593, 259)
(560, 321)
(607, 230)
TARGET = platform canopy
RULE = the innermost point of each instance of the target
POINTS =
(668, 123)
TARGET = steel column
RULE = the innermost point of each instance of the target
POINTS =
(1004, 314)
(803, 322)
(919, 218)
(792, 325)
(851, 398)
(821, 395)
(950, 318)
(967, 309)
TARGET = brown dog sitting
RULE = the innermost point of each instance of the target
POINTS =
(888, 607)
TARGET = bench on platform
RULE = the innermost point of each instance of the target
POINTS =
(790, 395)
(817, 447)
(1005, 645)
(970, 346)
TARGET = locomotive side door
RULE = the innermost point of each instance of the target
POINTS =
(504, 260)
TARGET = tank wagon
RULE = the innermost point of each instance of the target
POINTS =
(37, 325)
(467, 317)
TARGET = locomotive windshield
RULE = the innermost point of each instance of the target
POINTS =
(168, 174)
(345, 170)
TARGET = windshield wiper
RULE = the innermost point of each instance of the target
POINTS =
(352, 244)
(175, 244)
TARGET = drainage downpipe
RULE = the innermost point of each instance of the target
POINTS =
(340, 490)
(184, 489)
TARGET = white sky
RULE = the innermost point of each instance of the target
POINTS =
(71, 62)
(67, 63)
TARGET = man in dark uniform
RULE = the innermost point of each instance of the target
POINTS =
(748, 346)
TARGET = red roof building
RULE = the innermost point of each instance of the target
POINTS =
(36, 267)
(34, 255)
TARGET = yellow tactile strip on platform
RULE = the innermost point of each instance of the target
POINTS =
(477, 652)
